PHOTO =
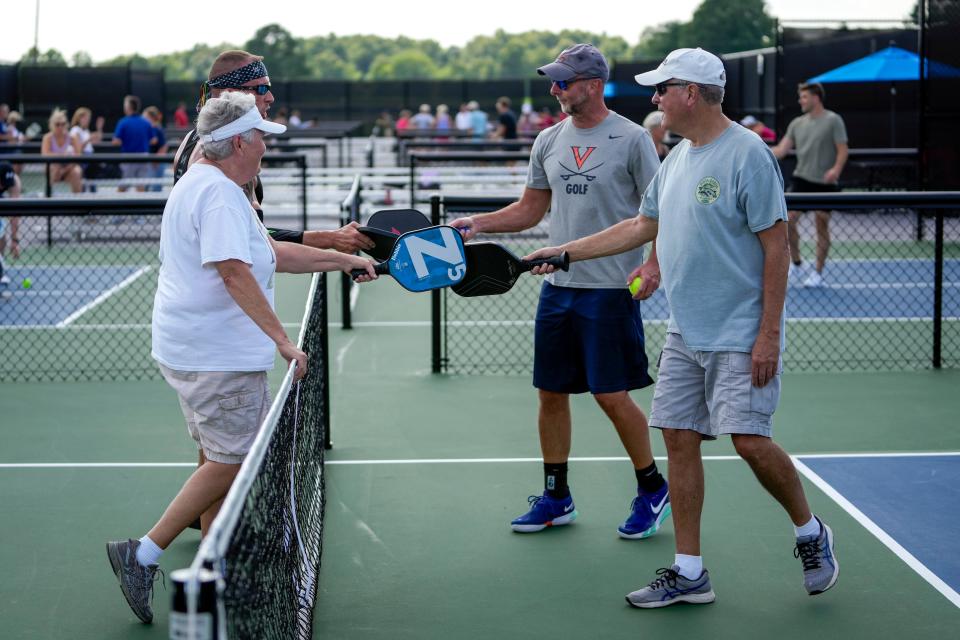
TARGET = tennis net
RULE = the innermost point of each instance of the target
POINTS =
(264, 547)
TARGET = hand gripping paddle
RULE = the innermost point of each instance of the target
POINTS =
(425, 259)
(492, 269)
(384, 227)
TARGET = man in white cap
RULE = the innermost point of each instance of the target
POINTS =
(717, 211)
(590, 171)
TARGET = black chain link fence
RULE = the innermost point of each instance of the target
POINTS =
(76, 303)
(875, 311)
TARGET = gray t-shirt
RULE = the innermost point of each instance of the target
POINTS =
(711, 201)
(816, 140)
(597, 177)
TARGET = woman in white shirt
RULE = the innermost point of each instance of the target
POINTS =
(214, 328)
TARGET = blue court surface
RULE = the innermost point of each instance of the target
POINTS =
(61, 294)
(861, 290)
(912, 499)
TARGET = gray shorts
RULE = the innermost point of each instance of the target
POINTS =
(223, 409)
(711, 392)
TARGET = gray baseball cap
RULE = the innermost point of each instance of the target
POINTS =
(579, 61)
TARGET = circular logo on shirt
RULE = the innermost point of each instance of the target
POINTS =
(708, 190)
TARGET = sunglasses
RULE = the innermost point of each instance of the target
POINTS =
(663, 86)
(563, 85)
(260, 89)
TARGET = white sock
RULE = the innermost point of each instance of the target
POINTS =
(812, 528)
(690, 566)
(148, 553)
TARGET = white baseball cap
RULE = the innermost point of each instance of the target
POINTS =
(691, 65)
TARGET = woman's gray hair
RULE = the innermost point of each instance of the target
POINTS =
(218, 112)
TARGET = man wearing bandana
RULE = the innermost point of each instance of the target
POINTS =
(243, 71)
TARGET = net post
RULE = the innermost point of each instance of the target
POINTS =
(435, 294)
(303, 188)
(938, 291)
(413, 181)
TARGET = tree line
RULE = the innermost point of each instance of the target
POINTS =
(721, 26)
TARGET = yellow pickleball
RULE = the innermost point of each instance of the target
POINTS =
(635, 285)
(27, 283)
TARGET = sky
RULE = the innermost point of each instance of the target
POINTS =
(175, 25)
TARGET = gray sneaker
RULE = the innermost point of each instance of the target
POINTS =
(670, 587)
(820, 566)
(136, 581)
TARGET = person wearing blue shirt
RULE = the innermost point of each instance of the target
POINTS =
(717, 212)
(133, 134)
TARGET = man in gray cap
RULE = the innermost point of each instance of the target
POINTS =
(590, 170)
(717, 210)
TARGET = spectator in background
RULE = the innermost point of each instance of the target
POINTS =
(57, 142)
(80, 131)
(133, 134)
(158, 144)
(281, 117)
(529, 123)
(463, 117)
(13, 132)
(4, 134)
(295, 122)
(478, 120)
(506, 120)
(766, 133)
(180, 118)
(423, 119)
(403, 120)
(654, 124)
(546, 118)
(384, 124)
(444, 122)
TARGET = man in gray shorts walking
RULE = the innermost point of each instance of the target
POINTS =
(717, 211)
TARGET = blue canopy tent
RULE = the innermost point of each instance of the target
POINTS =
(892, 65)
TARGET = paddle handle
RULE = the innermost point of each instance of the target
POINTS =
(381, 269)
(561, 262)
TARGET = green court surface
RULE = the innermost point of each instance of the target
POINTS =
(426, 473)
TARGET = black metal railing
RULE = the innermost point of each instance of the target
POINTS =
(889, 301)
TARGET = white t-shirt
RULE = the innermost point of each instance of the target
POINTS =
(197, 325)
(83, 135)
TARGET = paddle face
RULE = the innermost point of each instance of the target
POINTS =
(493, 269)
(384, 227)
(429, 258)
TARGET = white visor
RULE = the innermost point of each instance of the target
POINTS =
(250, 120)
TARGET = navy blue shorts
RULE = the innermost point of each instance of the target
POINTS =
(588, 340)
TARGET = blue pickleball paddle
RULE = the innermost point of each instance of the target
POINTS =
(425, 259)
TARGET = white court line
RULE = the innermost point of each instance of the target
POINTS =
(147, 465)
(103, 296)
(881, 535)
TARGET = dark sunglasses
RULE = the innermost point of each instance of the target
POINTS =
(663, 86)
(563, 85)
(260, 89)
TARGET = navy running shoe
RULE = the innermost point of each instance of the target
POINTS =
(545, 512)
(647, 513)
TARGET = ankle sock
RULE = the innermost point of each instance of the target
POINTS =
(649, 479)
(555, 479)
(690, 567)
(812, 528)
(148, 553)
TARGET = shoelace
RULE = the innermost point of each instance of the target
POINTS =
(668, 577)
(809, 554)
(146, 579)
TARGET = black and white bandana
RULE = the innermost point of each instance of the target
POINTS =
(241, 76)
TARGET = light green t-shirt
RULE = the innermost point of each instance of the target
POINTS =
(816, 140)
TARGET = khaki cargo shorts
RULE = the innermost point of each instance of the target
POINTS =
(223, 409)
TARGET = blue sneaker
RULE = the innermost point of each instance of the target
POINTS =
(647, 513)
(545, 512)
